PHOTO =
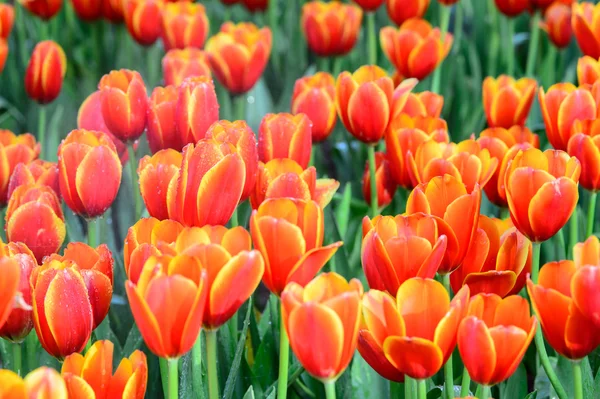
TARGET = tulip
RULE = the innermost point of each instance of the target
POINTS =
(85, 158)
(369, 5)
(45, 382)
(35, 172)
(113, 11)
(13, 151)
(256, 5)
(315, 96)
(143, 20)
(285, 136)
(289, 235)
(184, 25)
(12, 386)
(7, 19)
(11, 277)
(209, 185)
(162, 113)
(181, 64)
(395, 249)
(425, 104)
(494, 336)
(94, 372)
(507, 101)
(238, 55)
(588, 70)
(584, 29)
(415, 48)
(168, 303)
(456, 212)
(284, 178)
(585, 280)
(512, 8)
(386, 186)
(537, 181)
(45, 9)
(557, 23)
(562, 105)
(34, 217)
(585, 146)
(19, 321)
(124, 103)
(400, 11)
(330, 28)
(415, 333)
(45, 72)
(88, 10)
(197, 108)
(155, 176)
(240, 135)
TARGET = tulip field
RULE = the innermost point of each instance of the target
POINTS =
(298, 199)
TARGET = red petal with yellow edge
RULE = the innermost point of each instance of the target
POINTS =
(154, 186)
(316, 336)
(368, 112)
(381, 317)
(407, 254)
(309, 265)
(377, 265)
(416, 357)
(431, 264)
(424, 57)
(71, 155)
(511, 343)
(584, 287)
(492, 282)
(11, 386)
(477, 349)
(462, 216)
(78, 387)
(441, 192)
(561, 196)
(40, 282)
(474, 260)
(513, 253)
(579, 105)
(422, 304)
(145, 320)
(45, 382)
(373, 354)
(193, 323)
(138, 259)
(9, 285)
(97, 370)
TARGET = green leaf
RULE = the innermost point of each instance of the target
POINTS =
(249, 393)
(516, 385)
(366, 383)
(134, 341)
(532, 395)
(342, 210)
(233, 374)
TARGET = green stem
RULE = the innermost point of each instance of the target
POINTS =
(42, 131)
(510, 49)
(533, 43)
(17, 358)
(573, 232)
(234, 222)
(372, 38)
(323, 64)
(211, 359)
(543, 355)
(448, 371)
(173, 379)
(164, 374)
(239, 104)
(408, 388)
(329, 389)
(444, 23)
(465, 384)
(31, 350)
(272, 15)
(134, 181)
(197, 364)
(373, 176)
(561, 248)
(395, 389)
(535, 265)
(486, 392)
(337, 66)
(577, 379)
(422, 389)
(591, 214)
(284, 359)
(458, 26)
(93, 225)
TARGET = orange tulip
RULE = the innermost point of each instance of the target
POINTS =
(240, 135)
(507, 101)
(45, 382)
(289, 235)
(9, 284)
(537, 181)
(209, 185)
(588, 70)
(14, 149)
(494, 336)
(557, 23)
(19, 322)
(584, 28)
(285, 136)
(585, 146)
(35, 172)
(330, 28)
(143, 19)
(322, 321)
(503, 145)
(512, 8)
(415, 48)
(456, 212)
(239, 54)
(255, 5)
(94, 372)
(155, 176)
(386, 186)
(585, 280)
(12, 386)
(45, 9)
(415, 333)
(424, 104)
(395, 249)
(34, 217)
(45, 72)
(162, 113)
(7, 19)
(168, 303)
(197, 108)
(284, 178)
(184, 25)
(88, 10)
(181, 64)
(400, 11)
(85, 158)
(124, 103)
(315, 96)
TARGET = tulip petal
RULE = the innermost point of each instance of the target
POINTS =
(477, 349)
(416, 357)
(12, 386)
(561, 196)
(145, 320)
(422, 304)
(311, 262)
(491, 282)
(586, 296)
(510, 343)
(373, 354)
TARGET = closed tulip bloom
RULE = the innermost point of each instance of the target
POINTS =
(400, 11)
(537, 181)
(322, 321)
(19, 322)
(289, 235)
(197, 108)
(239, 54)
(585, 280)
(240, 135)
(93, 373)
(512, 8)
(369, 5)
(284, 178)
(113, 10)
(124, 103)
(11, 277)
(285, 136)
(45, 9)
(35, 172)
(179, 64)
(45, 382)
(143, 19)
(588, 70)
(398, 248)
(507, 101)
(34, 217)
(315, 96)
(155, 175)
(456, 212)
(415, 48)
(557, 23)
(184, 25)
(162, 114)
(585, 146)
(168, 303)
(562, 105)
(209, 185)
(88, 10)
(12, 386)
(494, 336)
(45, 72)
(330, 28)
(386, 186)
(255, 5)
(584, 28)
(7, 19)
(85, 158)
(14, 149)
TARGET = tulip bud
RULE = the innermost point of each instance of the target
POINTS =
(143, 19)
(386, 186)
(45, 72)
(181, 64)
(197, 108)
(400, 11)
(113, 10)
(582, 21)
(184, 25)
(512, 8)
(557, 23)
(88, 10)
(315, 97)
(369, 5)
(285, 136)
(13, 151)
(588, 70)
(156, 175)
(7, 19)
(507, 101)
(45, 9)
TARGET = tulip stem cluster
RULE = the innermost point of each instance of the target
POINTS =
(445, 12)
(211, 362)
(591, 214)
(284, 359)
(173, 379)
(373, 175)
(534, 39)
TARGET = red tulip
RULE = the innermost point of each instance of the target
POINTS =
(143, 19)
(197, 108)
(45, 9)
(184, 25)
(181, 64)
(45, 72)
(285, 136)
(13, 151)
(7, 19)
(315, 97)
